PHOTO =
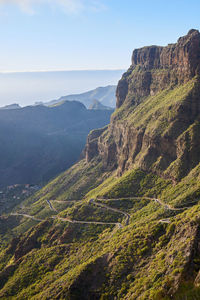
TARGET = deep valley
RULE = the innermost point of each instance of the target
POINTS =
(124, 221)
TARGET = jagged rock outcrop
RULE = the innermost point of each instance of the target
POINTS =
(155, 68)
(80, 250)
(166, 81)
(91, 149)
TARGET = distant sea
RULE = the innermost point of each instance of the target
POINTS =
(27, 88)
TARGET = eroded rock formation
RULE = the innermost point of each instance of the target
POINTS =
(158, 147)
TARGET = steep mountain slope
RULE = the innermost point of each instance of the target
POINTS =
(106, 95)
(122, 223)
(38, 143)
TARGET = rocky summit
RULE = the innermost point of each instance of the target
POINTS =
(158, 111)
(155, 68)
(124, 222)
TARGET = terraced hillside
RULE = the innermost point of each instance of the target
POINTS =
(124, 222)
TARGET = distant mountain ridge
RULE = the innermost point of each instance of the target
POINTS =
(134, 231)
(99, 106)
(11, 106)
(39, 142)
(26, 88)
(105, 95)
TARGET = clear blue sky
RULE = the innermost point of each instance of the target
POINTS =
(87, 34)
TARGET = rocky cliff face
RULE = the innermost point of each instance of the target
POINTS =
(142, 133)
(91, 148)
(145, 245)
(154, 68)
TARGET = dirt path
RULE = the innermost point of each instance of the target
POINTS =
(104, 206)
(26, 216)
(64, 201)
(92, 201)
(167, 221)
(92, 222)
(51, 206)
(166, 206)
(86, 222)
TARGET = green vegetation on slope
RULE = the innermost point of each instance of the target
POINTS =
(92, 234)
(60, 259)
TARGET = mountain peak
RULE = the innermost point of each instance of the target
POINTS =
(193, 31)
(123, 222)
(97, 105)
(170, 56)
(154, 67)
(11, 106)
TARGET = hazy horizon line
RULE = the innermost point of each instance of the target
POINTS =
(60, 70)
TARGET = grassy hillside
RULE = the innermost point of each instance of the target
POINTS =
(61, 259)
(122, 223)
(137, 239)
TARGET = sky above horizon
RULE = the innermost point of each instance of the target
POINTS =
(87, 34)
(25, 88)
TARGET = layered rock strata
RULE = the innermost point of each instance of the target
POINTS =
(164, 149)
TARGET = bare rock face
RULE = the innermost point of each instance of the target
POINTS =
(171, 153)
(154, 68)
(91, 149)
(182, 56)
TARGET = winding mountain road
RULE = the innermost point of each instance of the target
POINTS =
(26, 216)
(92, 201)
(87, 222)
(50, 205)
(167, 221)
(64, 201)
(104, 206)
(165, 205)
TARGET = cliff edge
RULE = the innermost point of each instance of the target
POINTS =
(158, 112)
(154, 68)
